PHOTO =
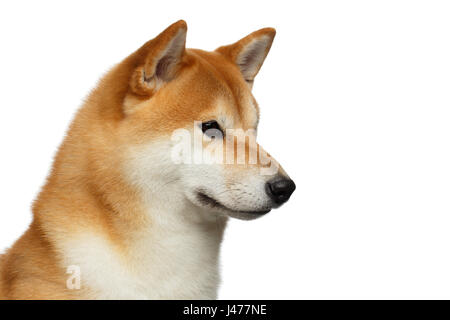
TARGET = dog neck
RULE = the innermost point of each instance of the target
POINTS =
(134, 248)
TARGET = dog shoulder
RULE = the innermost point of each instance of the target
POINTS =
(2, 294)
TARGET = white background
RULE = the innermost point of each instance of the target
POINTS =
(355, 102)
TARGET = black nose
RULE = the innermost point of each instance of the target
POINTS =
(280, 190)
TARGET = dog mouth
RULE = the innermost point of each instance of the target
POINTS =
(208, 201)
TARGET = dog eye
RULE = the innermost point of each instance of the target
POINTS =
(210, 128)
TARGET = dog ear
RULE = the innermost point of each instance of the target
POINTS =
(250, 52)
(160, 59)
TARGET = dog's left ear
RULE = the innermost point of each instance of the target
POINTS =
(161, 60)
(250, 52)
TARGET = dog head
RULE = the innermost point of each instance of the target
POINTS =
(189, 124)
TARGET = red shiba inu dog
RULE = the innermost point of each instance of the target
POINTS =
(119, 217)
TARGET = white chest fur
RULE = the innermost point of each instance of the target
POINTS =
(177, 259)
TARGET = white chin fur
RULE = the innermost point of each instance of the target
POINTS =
(214, 207)
(245, 216)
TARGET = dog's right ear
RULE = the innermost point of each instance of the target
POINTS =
(160, 60)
